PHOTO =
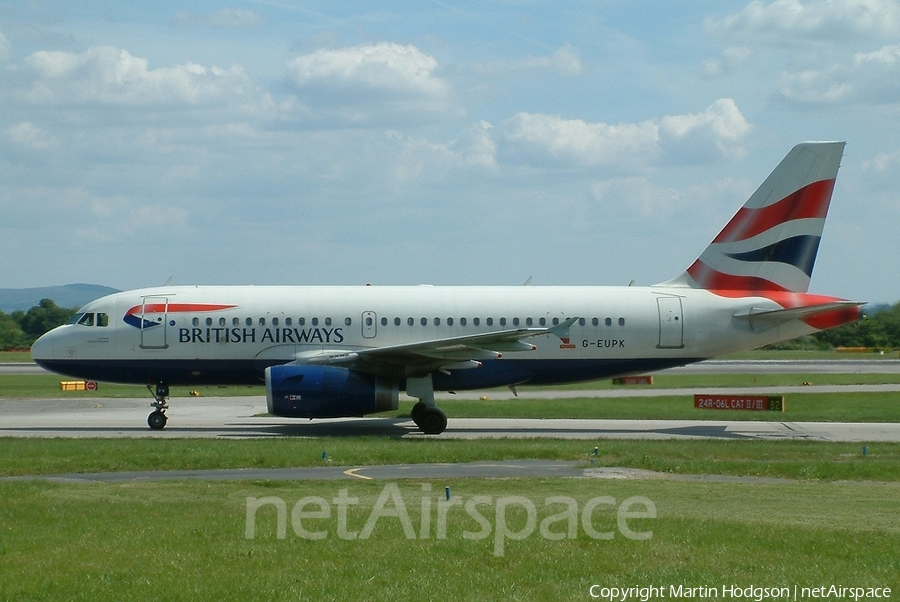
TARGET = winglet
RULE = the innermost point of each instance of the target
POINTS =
(561, 330)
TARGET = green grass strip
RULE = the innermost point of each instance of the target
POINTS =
(807, 460)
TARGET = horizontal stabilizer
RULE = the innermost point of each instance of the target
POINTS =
(773, 317)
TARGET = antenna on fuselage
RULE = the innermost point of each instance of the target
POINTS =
(528, 282)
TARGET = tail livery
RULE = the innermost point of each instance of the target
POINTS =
(769, 247)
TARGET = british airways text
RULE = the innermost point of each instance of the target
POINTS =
(268, 335)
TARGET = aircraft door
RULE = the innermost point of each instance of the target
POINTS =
(671, 323)
(369, 325)
(154, 314)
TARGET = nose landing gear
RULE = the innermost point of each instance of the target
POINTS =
(157, 419)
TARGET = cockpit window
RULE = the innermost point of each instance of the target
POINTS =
(75, 319)
(87, 319)
(102, 320)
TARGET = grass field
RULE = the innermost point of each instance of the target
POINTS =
(188, 541)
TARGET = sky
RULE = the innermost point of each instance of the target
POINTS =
(288, 142)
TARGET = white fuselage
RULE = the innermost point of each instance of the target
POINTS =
(225, 334)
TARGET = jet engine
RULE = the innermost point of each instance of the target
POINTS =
(327, 392)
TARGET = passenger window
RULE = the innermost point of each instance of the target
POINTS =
(515, 321)
(87, 320)
(424, 321)
(437, 321)
(528, 321)
(396, 321)
(249, 321)
(235, 321)
(384, 321)
(274, 321)
(262, 321)
(327, 321)
(543, 321)
(502, 321)
(221, 321)
(582, 321)
(596, 321)
(301, 321)
(102, 320)
(489, 321)
(410, 321)
(209, 321)
(315, 321)
(621, 321)
(196, 321)
(476, 321)
(462, 321)
(288, 321)
(449, 321)
(348, 321)
(555, 321)
(608, 321)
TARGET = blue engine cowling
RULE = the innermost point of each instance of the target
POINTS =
(326, 392)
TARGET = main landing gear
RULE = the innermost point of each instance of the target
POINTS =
(430, 419)
(157, 419)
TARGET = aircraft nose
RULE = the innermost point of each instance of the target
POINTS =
(42, 350)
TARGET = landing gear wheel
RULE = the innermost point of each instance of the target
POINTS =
(416, 413)
(432, 421)
(157, 420)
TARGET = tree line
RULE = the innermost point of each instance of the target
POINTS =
(880, 329)
(20, 329)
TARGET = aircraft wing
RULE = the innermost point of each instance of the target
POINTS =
(423, 357)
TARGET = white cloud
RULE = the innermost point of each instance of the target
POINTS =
(869, 78)
(31, 136)
(883, 162)
(574, 140)
(721, 126)
(108, 75)
(476, 146)
(384, 68)
(718, 129)
(368, 83)
(564, 61)
(731, 58)
(788, 20)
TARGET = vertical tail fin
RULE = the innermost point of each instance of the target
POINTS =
(770, 244)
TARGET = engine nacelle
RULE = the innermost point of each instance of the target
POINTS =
(327, 392)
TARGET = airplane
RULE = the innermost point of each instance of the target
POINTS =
(346, 351)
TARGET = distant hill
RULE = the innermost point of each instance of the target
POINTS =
(69, 295)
